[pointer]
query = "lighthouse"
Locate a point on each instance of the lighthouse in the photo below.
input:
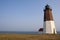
(48, 25)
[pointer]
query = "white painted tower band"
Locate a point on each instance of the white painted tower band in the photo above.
(49, 27)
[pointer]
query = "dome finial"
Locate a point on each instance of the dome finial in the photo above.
(47, 6)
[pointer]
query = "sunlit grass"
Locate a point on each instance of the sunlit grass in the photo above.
(29, 36)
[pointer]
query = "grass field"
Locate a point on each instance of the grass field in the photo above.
(29, 37)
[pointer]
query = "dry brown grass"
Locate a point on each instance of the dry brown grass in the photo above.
(29, 36)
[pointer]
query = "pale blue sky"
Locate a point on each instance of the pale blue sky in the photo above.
(26, 15)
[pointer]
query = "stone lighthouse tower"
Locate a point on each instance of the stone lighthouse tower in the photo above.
(49, 26)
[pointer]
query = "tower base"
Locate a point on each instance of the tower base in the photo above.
(49, 27)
